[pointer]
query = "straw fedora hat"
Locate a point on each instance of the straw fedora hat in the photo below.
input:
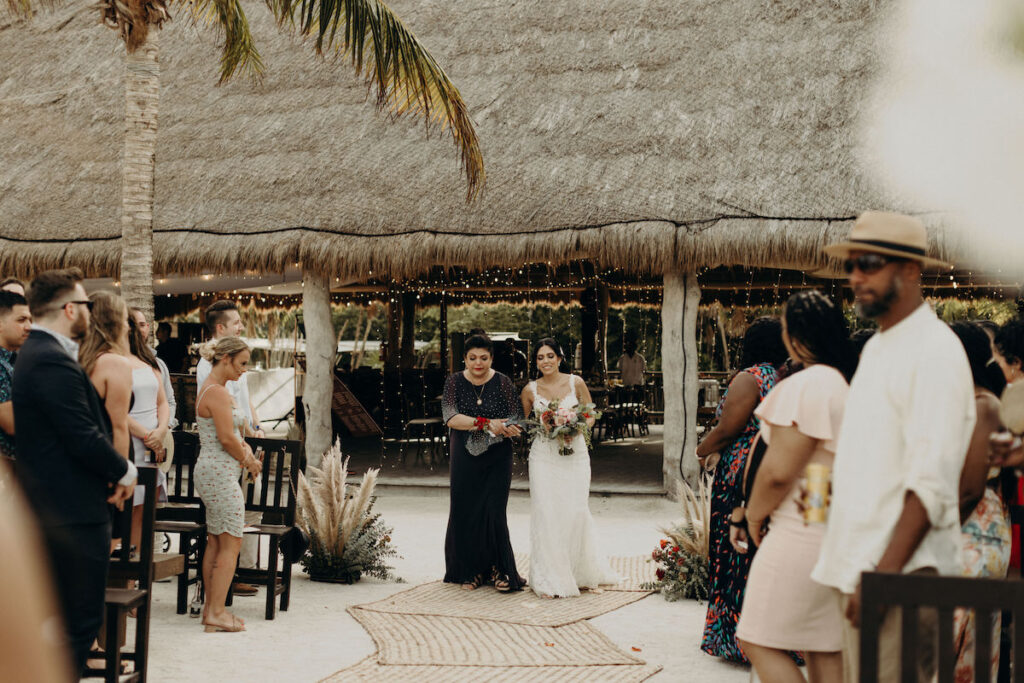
(886, 233)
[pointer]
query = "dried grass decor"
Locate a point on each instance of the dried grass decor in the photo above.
(346, 538)
(684, 554)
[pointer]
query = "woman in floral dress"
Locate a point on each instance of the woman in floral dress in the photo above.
(763, 355)
(985, 524)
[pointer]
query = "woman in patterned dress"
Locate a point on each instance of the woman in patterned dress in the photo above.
(223, 454)
(763, 355)
(985, 524)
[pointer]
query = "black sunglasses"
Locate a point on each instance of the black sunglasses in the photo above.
(868, 263)
(88, 304)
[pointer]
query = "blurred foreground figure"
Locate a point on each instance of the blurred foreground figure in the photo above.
(30, 630)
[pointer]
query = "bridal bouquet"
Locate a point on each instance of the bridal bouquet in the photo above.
(561, 424)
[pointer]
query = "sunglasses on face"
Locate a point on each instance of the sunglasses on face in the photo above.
(867, 263)
(87, 304)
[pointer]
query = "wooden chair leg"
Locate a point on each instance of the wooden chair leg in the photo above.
(272, 577)
(184, 546)
(287, 580)
(142, 638)
(112, 643)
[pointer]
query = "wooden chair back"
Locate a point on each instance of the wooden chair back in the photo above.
(275, 494)
(945, 594)
(139, 567)
(183, 503)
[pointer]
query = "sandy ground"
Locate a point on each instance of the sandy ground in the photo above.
(316, 637)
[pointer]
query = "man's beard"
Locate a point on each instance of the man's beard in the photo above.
(79, 326)
(881, 305)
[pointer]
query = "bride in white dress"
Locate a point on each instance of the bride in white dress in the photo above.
(564, 553)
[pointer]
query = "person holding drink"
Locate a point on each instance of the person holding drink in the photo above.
(784, 610)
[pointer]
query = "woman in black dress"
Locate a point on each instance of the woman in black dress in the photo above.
(478, 402)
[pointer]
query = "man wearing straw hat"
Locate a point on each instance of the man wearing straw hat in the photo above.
(908, 421)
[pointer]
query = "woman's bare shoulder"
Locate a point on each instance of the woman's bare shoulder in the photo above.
(113, 362)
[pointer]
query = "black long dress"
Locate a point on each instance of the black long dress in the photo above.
(477, 541)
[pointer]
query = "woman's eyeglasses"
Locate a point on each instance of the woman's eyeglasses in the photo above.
(867, 263)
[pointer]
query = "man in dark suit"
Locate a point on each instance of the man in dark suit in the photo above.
(66, 460)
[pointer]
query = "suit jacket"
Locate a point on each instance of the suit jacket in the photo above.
(66, 459)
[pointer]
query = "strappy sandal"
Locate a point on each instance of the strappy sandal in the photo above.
(501, 582)
(235, 627)
(473, 583)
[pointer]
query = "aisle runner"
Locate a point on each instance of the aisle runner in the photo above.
(440, 632)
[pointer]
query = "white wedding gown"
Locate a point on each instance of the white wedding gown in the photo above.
(564, 553)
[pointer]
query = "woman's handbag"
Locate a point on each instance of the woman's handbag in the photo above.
(168, 443)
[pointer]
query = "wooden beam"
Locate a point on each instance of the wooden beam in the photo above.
(673, 302)
(320, 351)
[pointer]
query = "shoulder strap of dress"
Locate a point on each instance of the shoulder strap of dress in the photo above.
(200, 399)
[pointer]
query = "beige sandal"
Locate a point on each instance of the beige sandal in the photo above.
(235, 626)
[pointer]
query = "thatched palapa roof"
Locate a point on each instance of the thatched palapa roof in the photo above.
(638, 134)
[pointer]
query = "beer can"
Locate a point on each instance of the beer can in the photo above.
(816, 502)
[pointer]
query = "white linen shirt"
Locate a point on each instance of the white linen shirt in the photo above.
(908, 422)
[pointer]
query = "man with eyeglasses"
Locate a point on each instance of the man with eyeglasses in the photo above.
(66, 460)
(908, 421)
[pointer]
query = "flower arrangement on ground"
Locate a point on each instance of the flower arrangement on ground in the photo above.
(346, 538)
(683, 557)
(561, 424)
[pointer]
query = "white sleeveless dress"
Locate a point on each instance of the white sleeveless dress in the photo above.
(564, 552)
(145, 392)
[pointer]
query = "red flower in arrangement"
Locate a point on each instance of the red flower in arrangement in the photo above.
(660, 573)
(654, 554)
(679, 561)
(664, 543)
(675, 549)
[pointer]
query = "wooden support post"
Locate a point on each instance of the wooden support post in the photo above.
(588, 332)
(407, 353)
(394, 331)
(679, 370)
(321, 349)
(443, 324)
(604, 300)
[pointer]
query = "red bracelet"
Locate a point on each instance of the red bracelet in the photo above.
(481, 423)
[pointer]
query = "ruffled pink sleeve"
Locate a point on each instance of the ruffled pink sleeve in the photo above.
(812, 400)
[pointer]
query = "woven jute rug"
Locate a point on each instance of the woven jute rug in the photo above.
(370, 671)
(457, 641)
(521, 607)
(440, 632)
(633, 570)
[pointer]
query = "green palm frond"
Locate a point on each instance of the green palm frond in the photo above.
(404, 75)
(239, 51)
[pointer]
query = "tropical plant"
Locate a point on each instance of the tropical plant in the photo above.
(346, 538)
(685, 555)
(396, 66)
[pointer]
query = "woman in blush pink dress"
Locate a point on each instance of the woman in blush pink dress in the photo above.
(784, 610)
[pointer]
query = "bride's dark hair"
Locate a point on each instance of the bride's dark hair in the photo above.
(552, 344)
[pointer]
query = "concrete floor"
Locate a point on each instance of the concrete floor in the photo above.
(316, 637)
(631, 465)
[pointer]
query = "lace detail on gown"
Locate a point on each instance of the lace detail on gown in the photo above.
(564, 552)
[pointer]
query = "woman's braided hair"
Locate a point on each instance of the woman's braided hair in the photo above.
(816, 323)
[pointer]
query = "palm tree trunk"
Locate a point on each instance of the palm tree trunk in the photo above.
(142, 101)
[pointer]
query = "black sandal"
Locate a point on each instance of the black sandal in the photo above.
(473, 583)
(501, 582)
